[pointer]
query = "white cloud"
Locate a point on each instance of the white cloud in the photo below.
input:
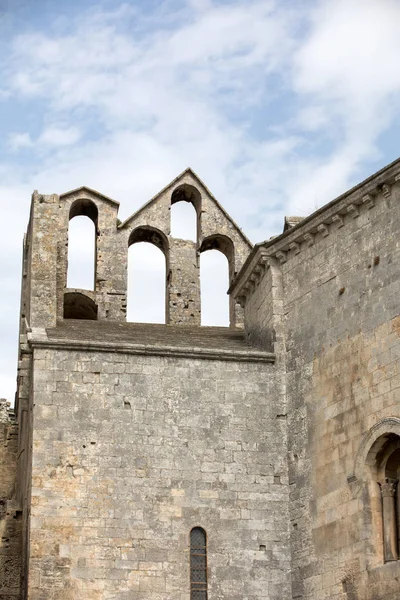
(345, 74)
(16, 141)
(50, 137)
(59, 136)
(276, 107)
(163, 100)
(352, 52)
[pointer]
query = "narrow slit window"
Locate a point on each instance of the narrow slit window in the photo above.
(198, 564)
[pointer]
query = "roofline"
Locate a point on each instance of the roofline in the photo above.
(190, 171)
(153, 198)
(378, 178)
(39, 339)
(91, 191)
(221, 207)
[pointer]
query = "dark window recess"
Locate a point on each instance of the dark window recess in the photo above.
(198, 564)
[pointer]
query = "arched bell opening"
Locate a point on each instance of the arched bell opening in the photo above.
(185, 212)
(82, 245)
(84, 208)
(217, 265)
(225, 245)
(147, 273)
(151, 235)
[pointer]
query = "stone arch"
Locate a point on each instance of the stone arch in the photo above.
(383, 460)
(83, 207)
(155, 237)
(185, 194)
(149, 234)
(372, 443)
(376, 473)
(225, 245)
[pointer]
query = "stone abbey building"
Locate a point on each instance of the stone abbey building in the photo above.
(177, 462)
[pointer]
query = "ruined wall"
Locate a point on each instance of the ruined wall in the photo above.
(45, 292)
(215, 230)
(10, 515)
(131, 452)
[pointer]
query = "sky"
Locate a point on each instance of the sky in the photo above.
(279, 106)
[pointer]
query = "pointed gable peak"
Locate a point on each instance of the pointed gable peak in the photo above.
(89, 193)
(187, 177)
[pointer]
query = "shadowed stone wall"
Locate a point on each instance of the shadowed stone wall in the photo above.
(10, 516)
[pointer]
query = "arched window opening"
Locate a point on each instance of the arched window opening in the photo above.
(198, 564)
(388, 468)
(185, 210)
(82, 238)
(147, 276)
(214, 283)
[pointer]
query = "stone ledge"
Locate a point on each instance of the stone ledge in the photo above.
(153, 350)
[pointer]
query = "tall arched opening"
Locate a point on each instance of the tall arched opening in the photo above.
(147, 264)
(216, 270)
(185, 211)
(82, 236)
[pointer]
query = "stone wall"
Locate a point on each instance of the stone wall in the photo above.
(45, 292)
(275, 461)
(10, 516)
(340, 289)
(341, 305)
(340, 322)
(131, 452)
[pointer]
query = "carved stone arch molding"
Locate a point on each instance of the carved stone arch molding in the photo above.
(374, 479)
(381, 429)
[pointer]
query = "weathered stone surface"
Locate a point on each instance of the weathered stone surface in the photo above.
(46, 249)
(340, 329)
(276, 439)
(10, 517)
(130, 453)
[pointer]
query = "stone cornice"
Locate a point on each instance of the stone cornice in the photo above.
(39, 339)
(252, 276)
(319, 224)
